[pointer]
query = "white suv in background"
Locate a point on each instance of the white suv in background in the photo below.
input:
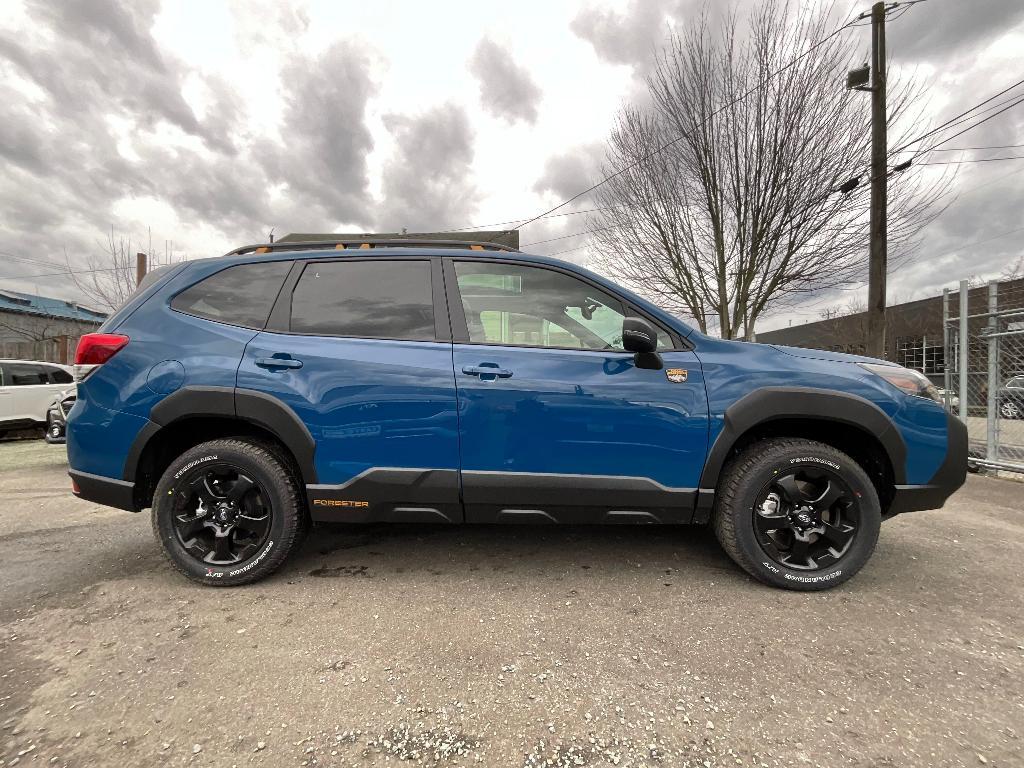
(27, 389)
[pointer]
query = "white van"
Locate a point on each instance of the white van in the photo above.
(27, 389)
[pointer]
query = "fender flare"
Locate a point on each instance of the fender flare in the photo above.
(775, 403)
(257, 408)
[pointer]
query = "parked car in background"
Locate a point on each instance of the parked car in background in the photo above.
(1011, 399)
(27, 389)
(57, 416)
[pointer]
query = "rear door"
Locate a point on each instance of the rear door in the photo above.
(29, 391)
(360, 350)
(557, 421)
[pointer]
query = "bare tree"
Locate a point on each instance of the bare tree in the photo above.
(108, 279)
(729, 205)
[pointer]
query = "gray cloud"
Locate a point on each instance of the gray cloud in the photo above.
(634, 35)
(506, 89)
(571, 172)
(947, 29)
(94, 64)
(425, 181)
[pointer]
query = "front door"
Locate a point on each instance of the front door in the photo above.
(359, 353)
(556, 421)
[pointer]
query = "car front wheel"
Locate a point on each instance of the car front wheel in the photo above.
(228, 512)
(1009, 410)
(797, 514)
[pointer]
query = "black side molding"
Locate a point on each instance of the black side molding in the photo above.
(774, 403)
(389, 494)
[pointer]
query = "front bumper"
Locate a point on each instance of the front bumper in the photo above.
(104, 490)
(947, 479)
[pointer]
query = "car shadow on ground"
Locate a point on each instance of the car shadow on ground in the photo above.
(334, 550)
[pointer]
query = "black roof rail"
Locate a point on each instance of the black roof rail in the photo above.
(367, 242)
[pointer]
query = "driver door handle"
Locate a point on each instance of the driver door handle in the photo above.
(486, 370)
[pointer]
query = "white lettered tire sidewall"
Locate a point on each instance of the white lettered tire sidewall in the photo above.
(744, 479)
(275, 479)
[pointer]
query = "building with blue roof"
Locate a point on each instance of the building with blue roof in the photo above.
(43, 328)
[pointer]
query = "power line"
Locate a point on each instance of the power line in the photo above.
(975, 125)
(963, 114)
(975, 149)
(975, 160)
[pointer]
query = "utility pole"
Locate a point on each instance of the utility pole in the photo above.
(140, 267)
(878, 257)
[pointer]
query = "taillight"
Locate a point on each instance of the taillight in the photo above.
(95, 349)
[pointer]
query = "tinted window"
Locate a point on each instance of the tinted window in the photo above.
(371, 299)
(60, 376)
(24, 374)
(241, 295)
(535, 307)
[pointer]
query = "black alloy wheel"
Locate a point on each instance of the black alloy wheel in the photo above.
(221, 515)
(796, 513)
(806, 519)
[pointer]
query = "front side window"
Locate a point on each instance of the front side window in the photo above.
(535, 307)
(240, 295)
(366, 299)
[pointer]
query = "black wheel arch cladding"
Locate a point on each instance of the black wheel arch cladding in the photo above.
(246, 405)
(775, 403)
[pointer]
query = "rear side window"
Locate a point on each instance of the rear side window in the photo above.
(240, 295)
(60, 376)
(367, 299)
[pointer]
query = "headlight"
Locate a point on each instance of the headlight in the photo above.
(906, 379)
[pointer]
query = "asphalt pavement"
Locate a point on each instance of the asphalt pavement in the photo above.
(507, 646)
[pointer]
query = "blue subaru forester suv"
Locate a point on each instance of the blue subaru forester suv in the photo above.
(244, 397)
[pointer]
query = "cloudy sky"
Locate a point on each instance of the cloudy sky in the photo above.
(205, 123)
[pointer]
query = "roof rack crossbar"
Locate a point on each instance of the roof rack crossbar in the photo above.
(368, 242)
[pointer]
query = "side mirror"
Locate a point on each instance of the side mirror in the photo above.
(640, 337)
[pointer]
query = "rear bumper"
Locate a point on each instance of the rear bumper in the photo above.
(104, 490)
(949, 477)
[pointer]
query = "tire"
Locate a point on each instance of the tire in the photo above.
(751, 487)
(1008, 409)
(193, 506)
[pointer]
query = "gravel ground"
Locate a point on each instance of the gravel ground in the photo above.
(504, 646)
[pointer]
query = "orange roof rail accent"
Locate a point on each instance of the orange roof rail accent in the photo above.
(339, 247)
(264, 249)
(365, 245)
(476, 247)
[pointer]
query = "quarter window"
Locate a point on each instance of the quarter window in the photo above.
(366, 299)
(535, 307)
(240, 295)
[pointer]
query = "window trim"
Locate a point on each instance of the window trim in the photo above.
(281, 313)
(460, 329)
(176, 294)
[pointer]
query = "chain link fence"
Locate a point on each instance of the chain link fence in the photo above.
(983, 380)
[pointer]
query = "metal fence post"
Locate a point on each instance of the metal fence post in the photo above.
(965, 344)
(947, 363)
(992, 409)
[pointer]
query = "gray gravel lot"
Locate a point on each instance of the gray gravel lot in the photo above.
(504, 646)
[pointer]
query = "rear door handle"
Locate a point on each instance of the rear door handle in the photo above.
(486, 370)
(278, 362)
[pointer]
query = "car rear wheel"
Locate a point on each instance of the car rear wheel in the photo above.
(228, 512)
(797, 514)
(1010, 410)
